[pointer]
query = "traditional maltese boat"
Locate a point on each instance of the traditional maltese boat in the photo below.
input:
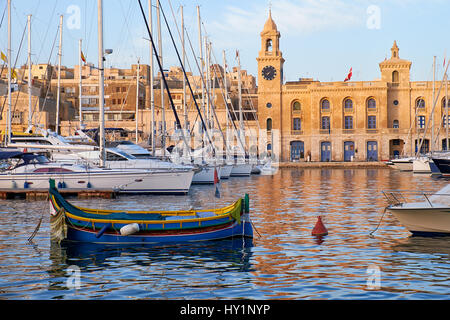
(72, 223)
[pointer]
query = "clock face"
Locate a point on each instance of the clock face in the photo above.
(269, 72)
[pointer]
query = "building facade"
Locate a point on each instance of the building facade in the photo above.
(347, 121)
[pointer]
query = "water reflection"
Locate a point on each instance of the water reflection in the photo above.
(284, 262)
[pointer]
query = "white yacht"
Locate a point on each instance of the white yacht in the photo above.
(21, 170)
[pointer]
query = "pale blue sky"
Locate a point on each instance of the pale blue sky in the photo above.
(320, 39)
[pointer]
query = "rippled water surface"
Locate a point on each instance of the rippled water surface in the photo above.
(283, 261)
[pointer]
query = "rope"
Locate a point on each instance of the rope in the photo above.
(255, 228)
(371, 233)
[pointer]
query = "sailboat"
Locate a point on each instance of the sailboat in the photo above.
(33, 172)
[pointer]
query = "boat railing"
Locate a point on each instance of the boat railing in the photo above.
(399, 197)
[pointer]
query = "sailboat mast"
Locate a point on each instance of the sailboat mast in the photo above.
(432, 113)
(161, 82)
(58, 94)
(30, 110)
(186, 117)
(101, 87)
(8, 120)
(137, 100)
(226, 96)
(241, 117)
(201, 60)
(446, 112)
(80, 84)
(208, 84)
(152, 91)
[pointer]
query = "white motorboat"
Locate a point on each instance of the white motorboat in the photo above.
(206, 175)
(268, 170)
(241, 170)
(31, 171)
(225, 171)
(421, 165)
(429, 217)
(403, 164)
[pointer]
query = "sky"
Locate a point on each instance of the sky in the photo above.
(320, 39)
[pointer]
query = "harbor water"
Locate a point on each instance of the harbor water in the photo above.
(282, 261)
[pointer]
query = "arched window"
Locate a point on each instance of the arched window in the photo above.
(269, 124)
(348, 104)
(296, 106)
(269, 45)
(395, 77)
(371, 103)
(325, 105)
(443, 102)
(420, 103)
(395, 124)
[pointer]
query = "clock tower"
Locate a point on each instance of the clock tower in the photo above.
(270, 81)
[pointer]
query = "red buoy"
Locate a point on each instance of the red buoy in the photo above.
(319, 228)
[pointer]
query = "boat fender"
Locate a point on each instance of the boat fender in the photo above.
(59, 185)
(26, 185)
(129, 229)
(89, 185)
(102, 230)
(63, 185)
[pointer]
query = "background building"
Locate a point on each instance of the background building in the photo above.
(346, 121)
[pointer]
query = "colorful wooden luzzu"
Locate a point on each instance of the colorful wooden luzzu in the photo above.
(111, 226)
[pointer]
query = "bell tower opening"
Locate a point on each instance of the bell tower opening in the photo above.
(269, 45)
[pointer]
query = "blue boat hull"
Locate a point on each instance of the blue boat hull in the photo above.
(234, 229)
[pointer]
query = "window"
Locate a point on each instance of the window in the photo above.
(348, 104)
(297, 124)
(325, 123)
(371, 122)
(444, 122)
(420, 103)
(296, 106)
(348, 122)
(325, 105)
(269, 105)
(269, 124)
(395, 124)
(395, 102)
(421, 122)
(395, 77)
(371, 104)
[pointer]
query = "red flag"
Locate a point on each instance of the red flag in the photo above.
(349, 76)
(216, 176)
(82, 57)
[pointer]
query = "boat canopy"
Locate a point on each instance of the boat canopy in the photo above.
(10, 154)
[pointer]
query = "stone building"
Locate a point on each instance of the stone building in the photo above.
(346, 121)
